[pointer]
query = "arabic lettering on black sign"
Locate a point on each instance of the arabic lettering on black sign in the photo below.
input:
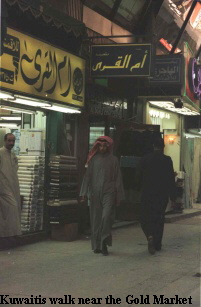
(11, 45)
(6, 76)
(167, 69)
(167, 72)
(121, 60)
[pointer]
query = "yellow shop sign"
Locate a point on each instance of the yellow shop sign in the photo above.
(30, 66)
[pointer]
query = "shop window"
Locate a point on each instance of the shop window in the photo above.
(26, 121)
(67, 140)
(95, 132)
(97, 128)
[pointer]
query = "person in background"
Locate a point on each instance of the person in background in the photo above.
(157, 180)
(10, 203)
(102, 184)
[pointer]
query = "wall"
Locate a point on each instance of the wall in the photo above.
(173, 150)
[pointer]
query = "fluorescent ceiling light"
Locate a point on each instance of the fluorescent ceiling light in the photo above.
(17, 110)
(169, 105)
(9, 125)
(97, 128)
(4, 95)
(10, 117)
(33, 103)
(63, 109)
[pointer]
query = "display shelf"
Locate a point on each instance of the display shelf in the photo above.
(31, 180)
(63, 189)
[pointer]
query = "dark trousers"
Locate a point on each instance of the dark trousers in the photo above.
(152, 217)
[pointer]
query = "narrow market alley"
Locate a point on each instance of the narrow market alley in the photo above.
(69, 273)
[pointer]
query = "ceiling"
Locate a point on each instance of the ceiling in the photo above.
(126, 13)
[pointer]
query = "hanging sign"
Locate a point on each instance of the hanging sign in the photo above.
(167, 69)
(121, 60)
(30, 66)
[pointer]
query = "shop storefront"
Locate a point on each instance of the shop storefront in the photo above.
(41, 91)
(177, 77)
(170, 127)
(106, 110)
(191, 165)
(191, 141)
(178, 147)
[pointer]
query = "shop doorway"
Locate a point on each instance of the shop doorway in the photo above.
(30, 133)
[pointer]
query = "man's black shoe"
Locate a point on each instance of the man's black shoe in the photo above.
(97, 251)
(158, 248)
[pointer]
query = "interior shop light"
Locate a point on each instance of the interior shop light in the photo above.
(10, 118)
(30, 102)
(63, 109)
(125, 105)
(169, 105)
(171, 139)
(4, 95)
(17, 110)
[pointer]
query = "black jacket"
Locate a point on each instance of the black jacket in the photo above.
(156, 176)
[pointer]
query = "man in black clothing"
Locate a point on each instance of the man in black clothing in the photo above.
(156, 177)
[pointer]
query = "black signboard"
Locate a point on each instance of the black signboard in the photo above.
(121, 60)
(167, 69)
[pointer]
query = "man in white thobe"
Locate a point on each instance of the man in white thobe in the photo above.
(103, 185)
(10, 204)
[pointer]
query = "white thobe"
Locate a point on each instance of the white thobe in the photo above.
(103, 185)
(10, 204)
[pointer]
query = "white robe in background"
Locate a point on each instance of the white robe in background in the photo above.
(10, 204)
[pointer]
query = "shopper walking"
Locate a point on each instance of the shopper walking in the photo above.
(156, 176)
(102, 184)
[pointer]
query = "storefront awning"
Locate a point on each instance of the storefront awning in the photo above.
(175, 105)
(50, 16)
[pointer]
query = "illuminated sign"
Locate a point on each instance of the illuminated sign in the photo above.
(181, 9)
(195, 19)
(192, 86)
(159, 114)
(119, 60)
(33, 67)
(195, 78)
(168, 46)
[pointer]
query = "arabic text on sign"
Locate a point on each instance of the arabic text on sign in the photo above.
(123, 62)
(46, 72)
